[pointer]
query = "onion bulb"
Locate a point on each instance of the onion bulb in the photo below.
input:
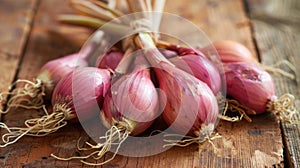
(253, 87)
(133, 100)
(201, 68)
(230, 51)
(109, 60)
(33, 93)
(83, 89)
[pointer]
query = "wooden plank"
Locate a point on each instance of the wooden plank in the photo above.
(48, 40)
(243, 144)
(276, 30)
(15, 18)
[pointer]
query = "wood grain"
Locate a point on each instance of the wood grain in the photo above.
(16, 19)
(243, 144)
(278, 40)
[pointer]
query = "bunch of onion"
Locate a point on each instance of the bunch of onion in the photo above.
(253, 87)
(129, 108)
(197, 96)
(89, 83)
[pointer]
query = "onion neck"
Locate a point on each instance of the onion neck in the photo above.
(125, 62)
(152, 54)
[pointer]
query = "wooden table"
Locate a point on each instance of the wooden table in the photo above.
(30, 36)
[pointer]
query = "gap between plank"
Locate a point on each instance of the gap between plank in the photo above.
(247, 12)
(23, 51)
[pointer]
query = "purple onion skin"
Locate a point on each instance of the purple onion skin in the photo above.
(110, 60)
(133, 98)
(54, 70)
(250, 85)
(89, 85)
(168, 53)
(201, 68)
(190, 103)
(181, 51)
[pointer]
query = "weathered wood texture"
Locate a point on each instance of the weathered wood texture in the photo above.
(15, 19)
(277, 33)
(256, 144)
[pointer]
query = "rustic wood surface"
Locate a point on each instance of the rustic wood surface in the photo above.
(280, 40)
(30, 37)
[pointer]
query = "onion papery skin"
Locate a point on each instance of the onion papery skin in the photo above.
(83, 91)
(110, 60)
(189, 101)
(230, 51)
(168, 53)
(201, 68)
(249, 85)
(133, 99)
(54, 70)
(181, 51)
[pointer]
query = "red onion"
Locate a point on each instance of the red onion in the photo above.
(32, 95)
(253, 87)
(54, 70)
(109, 60)
(191, 105)
(230, 51)
(133, 100)
(201, 68)
(83, 89)
(168, 53)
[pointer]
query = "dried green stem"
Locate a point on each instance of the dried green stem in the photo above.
(115, 12)
(112, 28)
(90, 9)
